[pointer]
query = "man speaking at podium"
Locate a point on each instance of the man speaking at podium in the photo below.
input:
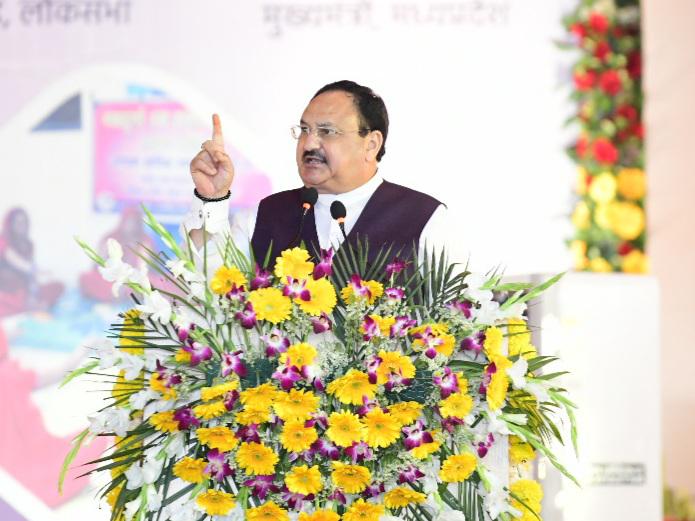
(341, 139)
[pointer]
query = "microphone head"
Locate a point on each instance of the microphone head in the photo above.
(338, 210)
(309, 196)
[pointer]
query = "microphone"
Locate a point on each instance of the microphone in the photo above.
(308, 196)
(338, 212)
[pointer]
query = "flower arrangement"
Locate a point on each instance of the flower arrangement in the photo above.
(608, 217)
(266, 394)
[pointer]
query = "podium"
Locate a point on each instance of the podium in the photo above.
(605, 329)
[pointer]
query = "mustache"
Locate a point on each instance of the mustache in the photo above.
(313, 154)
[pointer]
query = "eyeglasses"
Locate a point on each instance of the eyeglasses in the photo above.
(323, 133)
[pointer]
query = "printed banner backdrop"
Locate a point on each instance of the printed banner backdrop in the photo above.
(103, 104)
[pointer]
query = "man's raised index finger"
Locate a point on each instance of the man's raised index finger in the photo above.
(217, 130)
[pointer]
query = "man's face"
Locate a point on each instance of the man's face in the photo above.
(338, 163)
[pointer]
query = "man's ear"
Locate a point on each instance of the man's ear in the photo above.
(374, 141)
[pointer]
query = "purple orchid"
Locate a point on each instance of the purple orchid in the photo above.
(416, 435)
(247, 317)
(287, 376)
(339, 496)
(462, 306)
(184, 332)
(168, 377)
(448, 383)
(249, 433)
(293, 500)
(395, 267)
(296, 288)
(487, 377)
(262, 486)
(275, 343)
(373, 491)
(367, 406)
(326, 448)
(325, 267)
(231, 362)
(474, 342)
(217, 468)
(186, 418)
(318, 385)
(373, 364)
(449, 424)
(394, 295)
(199, 352)
(430, 341)
(322, 323)
(230, 398)
(358, 451)
(410, 475)
(484, 446)
(317, 418)
(236, 294)
(359, 289)
(262, 279)
(370, 328)
(396, 379)
(400, 327)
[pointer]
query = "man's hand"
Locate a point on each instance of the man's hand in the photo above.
(212, 169)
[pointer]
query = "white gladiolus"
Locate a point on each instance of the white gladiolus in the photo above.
(158, 307)
(115, 270)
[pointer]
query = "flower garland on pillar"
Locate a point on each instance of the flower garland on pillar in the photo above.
(609, 216)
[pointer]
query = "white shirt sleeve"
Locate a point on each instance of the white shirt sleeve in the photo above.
(440, 233)
(214, 218)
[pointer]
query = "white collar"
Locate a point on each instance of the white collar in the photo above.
(359, 194)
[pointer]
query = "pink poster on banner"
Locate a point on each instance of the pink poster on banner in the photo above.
(142, 152)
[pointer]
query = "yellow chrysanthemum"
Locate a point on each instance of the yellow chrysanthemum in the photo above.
(216, 502)
(221, 438)
(632, 183)
(260, 397)
(296, 405)
(582, 176)
(122, 388)
(182, 356)
(493, 341)
(499, 382)
(345, 428)
(424, 450)
(296, 437)
(581, 217)
(190, 469)
(437, 328)
(352, 479)
(394, 363)
(208, 411)
(112, 496)
(133, 329)
(267, 512)
(293, 263)
(457, 405)
(304, 480)
(520, 452)
(360, 510)
(382, 428)
(600, 265)
(323, 297)
(400, 497)
(210, 393)
(164, 421)
(376, 289)
(156, 383)
(602, 215)
(351, 388)
(531, 493)
(225, 278)
(256, 458)
(299, 355)
(319, 515)
(519, 338)
(635, 262)
(405, 413)
(271, 305)
(458, 467)
(251, 415)
(578, 249)
(603, 188)
(627, 220)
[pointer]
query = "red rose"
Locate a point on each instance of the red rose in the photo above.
(628, 112)
(578, 30)
(581, 147)
(638, 131)
(610, 82)
(598, 23)
(604, 151)
(584, 81)
(634, 64)
(602, 49)
(624, 248)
